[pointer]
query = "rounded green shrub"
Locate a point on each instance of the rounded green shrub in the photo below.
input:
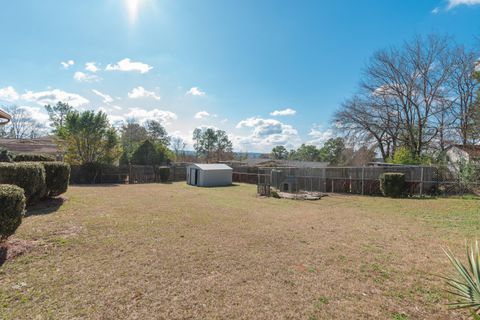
(57, 176)
(30, 176)
(392, 184)
(5, 155)
(12, 208)
(33, 157)
(164, 174)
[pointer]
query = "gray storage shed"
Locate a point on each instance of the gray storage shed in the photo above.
(209, 175)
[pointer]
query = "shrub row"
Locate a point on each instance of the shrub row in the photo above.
(38, 179)
(30, 176)
(8, 156)
(32, 157)
(12, 204)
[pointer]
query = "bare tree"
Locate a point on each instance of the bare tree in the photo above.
(412, 96)
(22, 125)
(463, 87)
(178, 146)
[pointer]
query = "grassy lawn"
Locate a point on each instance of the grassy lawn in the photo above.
(180, 252)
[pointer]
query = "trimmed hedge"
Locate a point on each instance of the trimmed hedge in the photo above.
(392, 184)
(57, 176)
(12, 204)
(27, 175)
(5, 155)
(164, 173)
(33, 157)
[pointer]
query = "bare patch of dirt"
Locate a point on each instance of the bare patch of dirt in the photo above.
(15, 247)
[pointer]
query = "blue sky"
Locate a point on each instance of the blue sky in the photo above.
(221, 63)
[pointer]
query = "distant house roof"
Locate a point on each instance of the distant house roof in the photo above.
(212, 166)
(38, 145)
(284, 163)
(473, 151)
(5, 117)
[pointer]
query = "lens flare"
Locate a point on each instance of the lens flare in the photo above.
(133, 8)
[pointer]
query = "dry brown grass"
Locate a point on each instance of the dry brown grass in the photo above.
(180, 252)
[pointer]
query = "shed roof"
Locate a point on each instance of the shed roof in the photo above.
(212, 166)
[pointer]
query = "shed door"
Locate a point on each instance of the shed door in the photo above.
(193, 176)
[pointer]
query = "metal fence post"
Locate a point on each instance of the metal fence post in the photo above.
(363, 182)
(421, 182)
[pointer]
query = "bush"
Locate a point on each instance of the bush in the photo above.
(5, 155)
(164, 173)
(392, 184)
(27, 175)
(57, 176)
(33, 157)
(12, 204)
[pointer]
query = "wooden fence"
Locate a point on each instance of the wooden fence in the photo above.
(124, 174)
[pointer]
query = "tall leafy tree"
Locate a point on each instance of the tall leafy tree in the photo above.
(88, 138)
(157, 133)
(307, 153)
(212, 144)
(149, 153)
(279, 153)
(332, 151)
(132, 135)
(57, 114)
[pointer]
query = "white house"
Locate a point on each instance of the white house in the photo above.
(457, 153)
(209, 175)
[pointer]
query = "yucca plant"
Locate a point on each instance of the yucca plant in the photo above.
(465, 286)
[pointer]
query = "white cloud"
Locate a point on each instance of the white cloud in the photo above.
(106, 98)
(116, 120)
(455, 3)
(195, 91)
(85, 77)
(67, 64)
(53, 96)
(319, 135)
(140, 92)
(436, 10)
(142, 115)
(9, 94)
(284, 112)
(265, 134)
(37, 113)
(128, 65)
(201, 115)
(91, 66)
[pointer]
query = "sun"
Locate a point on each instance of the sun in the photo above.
(133, 8)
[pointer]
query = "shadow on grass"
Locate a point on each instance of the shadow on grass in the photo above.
(45, 206)
(3, 254)
(96, 185)
(214, 187)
